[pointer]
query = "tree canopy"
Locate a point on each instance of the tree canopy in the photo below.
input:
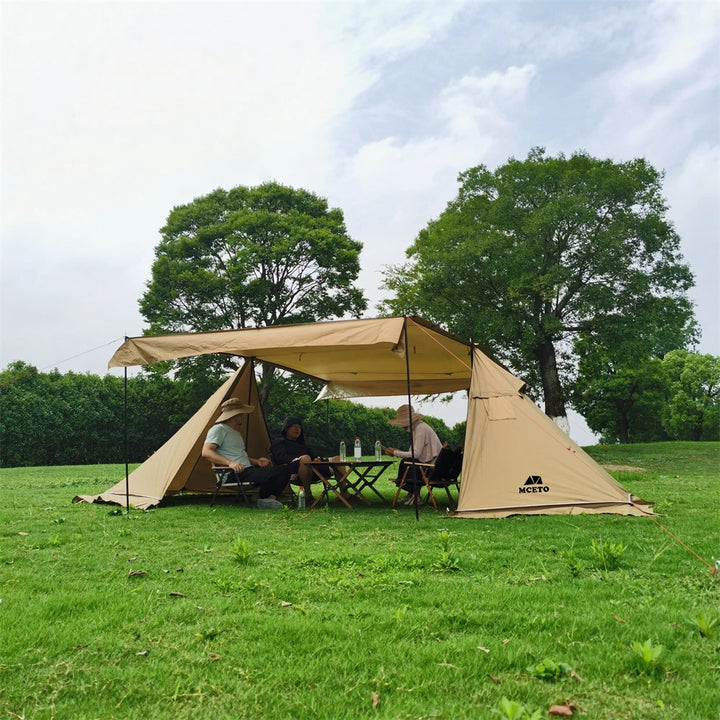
(693, 408)
(251, 257)
(528, 258)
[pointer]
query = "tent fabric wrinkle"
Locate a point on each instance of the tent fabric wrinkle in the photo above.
(516, 460)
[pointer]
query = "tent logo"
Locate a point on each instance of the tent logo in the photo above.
(533, 484)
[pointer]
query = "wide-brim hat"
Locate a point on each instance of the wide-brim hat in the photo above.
(403, 416)
(231, 408)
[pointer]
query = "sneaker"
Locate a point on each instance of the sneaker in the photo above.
(269, 504)
(409, 500)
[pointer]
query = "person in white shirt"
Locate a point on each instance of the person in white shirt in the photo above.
(426, 444)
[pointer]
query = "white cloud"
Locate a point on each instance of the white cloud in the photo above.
(480, 105)
(655, 100)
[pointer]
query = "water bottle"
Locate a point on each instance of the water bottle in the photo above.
(343, 452)
(301, 499)
(378, 450)
(358, 450)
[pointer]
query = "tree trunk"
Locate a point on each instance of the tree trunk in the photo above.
(266, 375)
(622, 426)
(697, 429)
(552, 389)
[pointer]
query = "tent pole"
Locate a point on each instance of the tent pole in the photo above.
(125, 423)
(412, 441)
(327, 427)
(253, 379)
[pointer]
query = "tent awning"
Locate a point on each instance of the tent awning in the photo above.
(360, 357)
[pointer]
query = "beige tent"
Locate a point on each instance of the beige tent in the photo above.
(178, 466)
(516, 459)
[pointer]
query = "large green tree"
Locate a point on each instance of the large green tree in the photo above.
(623, 402)
(693, 408)
(528, 256)
(252, 257)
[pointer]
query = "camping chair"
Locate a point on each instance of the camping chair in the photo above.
(445, 473)
(226, 479)
(423, 470)
(246, 490)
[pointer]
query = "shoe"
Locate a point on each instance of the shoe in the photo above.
(409, 500)
(269, 504)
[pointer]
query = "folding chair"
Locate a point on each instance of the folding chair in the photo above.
(445, 474)
(245, 490)
(422, 469)
(226, 478)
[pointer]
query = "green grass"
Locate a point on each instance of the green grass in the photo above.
(189, 611)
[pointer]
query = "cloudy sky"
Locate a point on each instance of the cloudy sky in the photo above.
(114, 112)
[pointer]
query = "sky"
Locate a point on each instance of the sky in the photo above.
(113, 113)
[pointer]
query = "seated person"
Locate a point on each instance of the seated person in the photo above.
(224, 445)
(427, 447)
(291, 450)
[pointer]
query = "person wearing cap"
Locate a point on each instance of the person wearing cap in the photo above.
(426, 444)
(290, 449)
(224, 445)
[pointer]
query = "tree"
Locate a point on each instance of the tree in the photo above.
(693, 408)
(529, 256)
(56, 419)
(251, 257)
(622, 402)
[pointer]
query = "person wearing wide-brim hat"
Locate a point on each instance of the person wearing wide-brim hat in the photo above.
(224, 445)
(425, 442)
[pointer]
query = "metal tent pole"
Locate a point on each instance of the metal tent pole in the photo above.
(127, 462)
(412, 440)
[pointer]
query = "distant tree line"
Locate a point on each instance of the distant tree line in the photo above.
(79, 419)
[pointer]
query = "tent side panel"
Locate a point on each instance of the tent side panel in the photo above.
(517, 460)
(168, 468)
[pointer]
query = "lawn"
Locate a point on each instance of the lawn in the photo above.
(189, 611)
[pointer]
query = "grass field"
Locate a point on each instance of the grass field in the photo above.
(189, 611)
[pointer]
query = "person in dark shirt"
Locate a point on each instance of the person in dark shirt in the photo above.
(291, 450)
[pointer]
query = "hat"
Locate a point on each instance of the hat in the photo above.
(233, 407)
(403, 416)
(288, 422)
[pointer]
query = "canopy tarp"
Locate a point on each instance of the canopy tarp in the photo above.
(353, 357)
